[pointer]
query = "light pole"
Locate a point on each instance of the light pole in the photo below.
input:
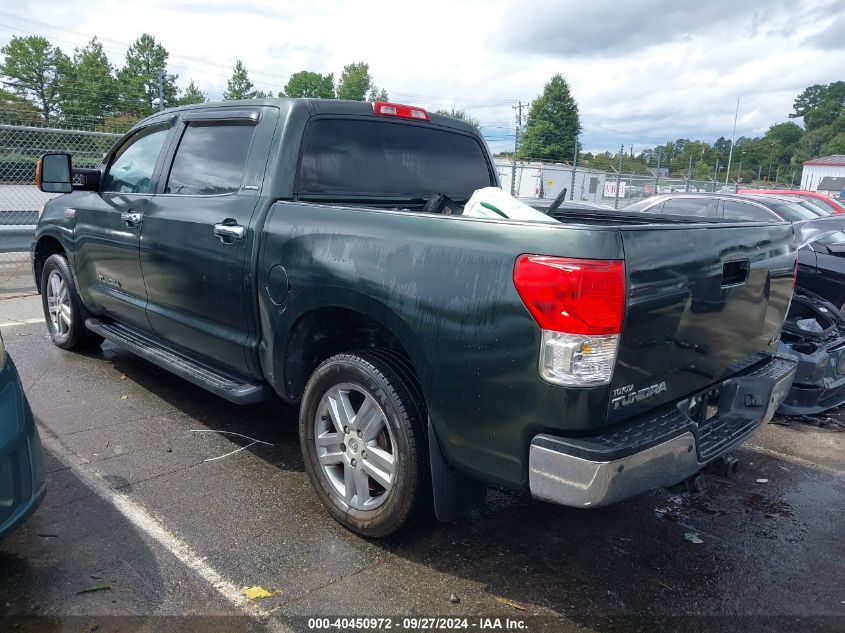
(733, 136)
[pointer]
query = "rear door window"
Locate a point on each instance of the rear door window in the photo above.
(210, 159)
(702, 207)
(363, 158)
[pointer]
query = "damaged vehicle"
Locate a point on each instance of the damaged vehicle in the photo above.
(814, 333)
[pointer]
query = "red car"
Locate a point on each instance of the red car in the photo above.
(835, 206)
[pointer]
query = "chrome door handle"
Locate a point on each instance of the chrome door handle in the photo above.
(229, 232)
(131, 218)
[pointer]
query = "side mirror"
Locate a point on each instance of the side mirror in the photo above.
(54, 173)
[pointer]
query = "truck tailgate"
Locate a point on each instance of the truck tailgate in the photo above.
(704, 302)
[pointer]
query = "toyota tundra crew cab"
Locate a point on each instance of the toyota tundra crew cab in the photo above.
(302, 249)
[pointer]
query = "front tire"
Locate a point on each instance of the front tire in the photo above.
(362, 434)
(63, 309)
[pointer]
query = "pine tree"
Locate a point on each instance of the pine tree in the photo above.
(138, 80)
(553, 124)
(88, 90)
(32, 68)
(239, 86)
(192, 95)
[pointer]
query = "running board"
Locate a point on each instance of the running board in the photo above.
(226, 386)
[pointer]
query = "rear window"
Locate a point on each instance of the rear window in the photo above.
(822, 204)
(384, 159)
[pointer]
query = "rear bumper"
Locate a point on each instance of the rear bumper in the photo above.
(656, 450)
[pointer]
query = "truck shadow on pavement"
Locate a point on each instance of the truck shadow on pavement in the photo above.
(658, 555)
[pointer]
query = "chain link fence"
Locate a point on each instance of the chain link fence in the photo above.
(531, 179)
(20, 200)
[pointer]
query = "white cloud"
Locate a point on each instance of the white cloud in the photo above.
(661, 71)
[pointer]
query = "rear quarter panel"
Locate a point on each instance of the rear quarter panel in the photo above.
(443, 286)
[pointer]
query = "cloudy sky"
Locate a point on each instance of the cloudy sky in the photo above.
(642, 73)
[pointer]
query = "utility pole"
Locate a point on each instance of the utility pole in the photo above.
(733, 136)
(716, 174)
(689, 174)
(777, 175)
(738, 176)
(574, 164)
(161, 91)
(618, 177)
(792, 182)
(759, 172)
(516, 135)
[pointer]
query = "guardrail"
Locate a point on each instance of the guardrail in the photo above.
(16, 238)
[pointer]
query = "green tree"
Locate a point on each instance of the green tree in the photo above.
(811, 144)
(461, 115)
(239, 85)
(146, 61)
(355, 82)
(835, 145)
(32, 68)
(820, 105)
(192, 95)
(553, 126)
(378, 94)
(16, 110)
(88, 90)
(119, 122)
(309, 84)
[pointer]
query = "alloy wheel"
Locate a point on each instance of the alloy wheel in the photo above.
(355, 446)
(58, 303)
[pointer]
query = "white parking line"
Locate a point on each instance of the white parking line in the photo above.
(145, 522)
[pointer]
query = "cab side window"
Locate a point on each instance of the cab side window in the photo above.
(210, 159)
(132, 166)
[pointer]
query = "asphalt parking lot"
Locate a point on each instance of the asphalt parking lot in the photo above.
(151, 513)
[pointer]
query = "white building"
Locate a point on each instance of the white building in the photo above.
(547, 180)
(818, 168)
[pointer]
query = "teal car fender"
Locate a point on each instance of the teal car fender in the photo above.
(22, 471)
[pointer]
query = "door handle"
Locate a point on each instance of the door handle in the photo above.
(131, 218)
(229, 232)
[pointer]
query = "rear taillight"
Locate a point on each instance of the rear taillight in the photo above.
(579, 305)
(385, 108)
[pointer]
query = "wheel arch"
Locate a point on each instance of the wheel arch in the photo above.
(45, 246)
(324, 331)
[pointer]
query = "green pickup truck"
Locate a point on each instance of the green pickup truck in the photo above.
(289, 248)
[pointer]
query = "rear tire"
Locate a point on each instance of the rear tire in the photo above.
(63, 309)
(362, 430)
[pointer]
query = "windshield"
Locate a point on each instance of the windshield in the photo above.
(383, 159)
